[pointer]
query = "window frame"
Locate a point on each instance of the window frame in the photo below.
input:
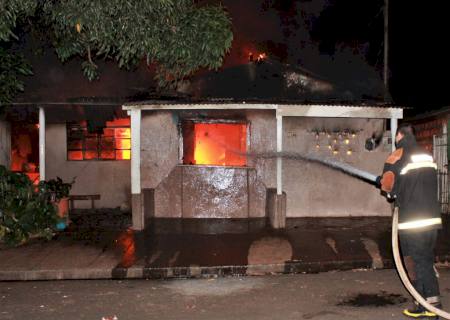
(98, 137)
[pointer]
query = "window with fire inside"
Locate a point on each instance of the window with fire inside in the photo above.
(113, 142)
(216, 143)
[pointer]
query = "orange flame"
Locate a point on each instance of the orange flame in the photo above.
(220, 144)
(128, 246)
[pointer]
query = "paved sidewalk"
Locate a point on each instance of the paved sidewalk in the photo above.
(356, 294)
(95, 247)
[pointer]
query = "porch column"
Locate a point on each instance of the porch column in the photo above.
(279, 159)
(394, 126)
(136, 204)
(276, 202)
(41, 144)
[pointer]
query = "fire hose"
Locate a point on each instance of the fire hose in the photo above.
(368, 177)
(403, 275)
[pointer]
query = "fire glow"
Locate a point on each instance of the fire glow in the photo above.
(223, 144)
(114, 143)
(25, 150)
(259, 57)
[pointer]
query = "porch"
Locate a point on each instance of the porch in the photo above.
(159, 175)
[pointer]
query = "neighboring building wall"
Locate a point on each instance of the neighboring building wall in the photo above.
(5, 144)
(312, 190)
(427, 128)
(110, 179)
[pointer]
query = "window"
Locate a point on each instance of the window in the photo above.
(113, 143)
(214, 143)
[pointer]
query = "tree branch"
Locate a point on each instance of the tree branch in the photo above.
(90, 57)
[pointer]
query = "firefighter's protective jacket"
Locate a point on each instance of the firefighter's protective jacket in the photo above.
(410, 177)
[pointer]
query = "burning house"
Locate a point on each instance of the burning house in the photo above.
(209, 160)
(204, 152)
(208, 157)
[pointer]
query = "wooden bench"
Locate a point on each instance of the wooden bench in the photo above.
(91, 197)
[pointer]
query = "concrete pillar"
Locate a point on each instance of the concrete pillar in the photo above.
(276, 209)
(279, 159)
(276, 201)
(136, 199)
(41, 144)
(394, 126)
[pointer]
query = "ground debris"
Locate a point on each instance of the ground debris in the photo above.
(114, 317)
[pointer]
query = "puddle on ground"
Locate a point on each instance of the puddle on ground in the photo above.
(373, 300)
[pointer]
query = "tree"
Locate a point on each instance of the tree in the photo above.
(13, 12)
(178, 35)
(12, 65)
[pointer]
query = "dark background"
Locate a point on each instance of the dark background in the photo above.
(341, 39)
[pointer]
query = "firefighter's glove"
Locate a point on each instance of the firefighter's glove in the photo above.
(378, 182)
(391, 196)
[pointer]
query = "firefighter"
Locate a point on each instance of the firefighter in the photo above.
(409, 179)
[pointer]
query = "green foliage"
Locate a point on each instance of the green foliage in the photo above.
(55, 188)
(178, 36)
(11, 67)
(24, 209)
(13, 12)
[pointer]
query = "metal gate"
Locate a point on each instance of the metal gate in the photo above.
(441, 158)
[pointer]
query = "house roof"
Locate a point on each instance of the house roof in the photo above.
(271, 79)
(445, 111)
(284, 109)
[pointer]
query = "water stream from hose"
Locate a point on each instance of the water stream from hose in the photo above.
(326, 161)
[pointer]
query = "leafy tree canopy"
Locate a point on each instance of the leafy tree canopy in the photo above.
(13, 12)
(178, 36)
(12, 64)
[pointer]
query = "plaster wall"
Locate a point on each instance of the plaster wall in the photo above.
(5, 143)
(159, 146)
(312, 190)
(315, 190)
(110, 179)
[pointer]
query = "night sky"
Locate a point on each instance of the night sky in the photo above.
(419, 59)
(341, 39)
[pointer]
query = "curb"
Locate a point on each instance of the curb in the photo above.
(191, 272)
(198, 272)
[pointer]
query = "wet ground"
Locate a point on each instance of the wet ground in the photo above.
(100, 244)
(237, 243)
(357, 294)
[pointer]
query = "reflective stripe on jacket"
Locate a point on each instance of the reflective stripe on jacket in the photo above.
(422, 223)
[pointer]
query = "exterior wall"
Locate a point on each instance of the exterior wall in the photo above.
(110, 179)
(5, 143)
(159, 147)
(315, 190)
(312, 190)
(210, 192)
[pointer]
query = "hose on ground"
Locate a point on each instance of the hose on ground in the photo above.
(404, 276)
